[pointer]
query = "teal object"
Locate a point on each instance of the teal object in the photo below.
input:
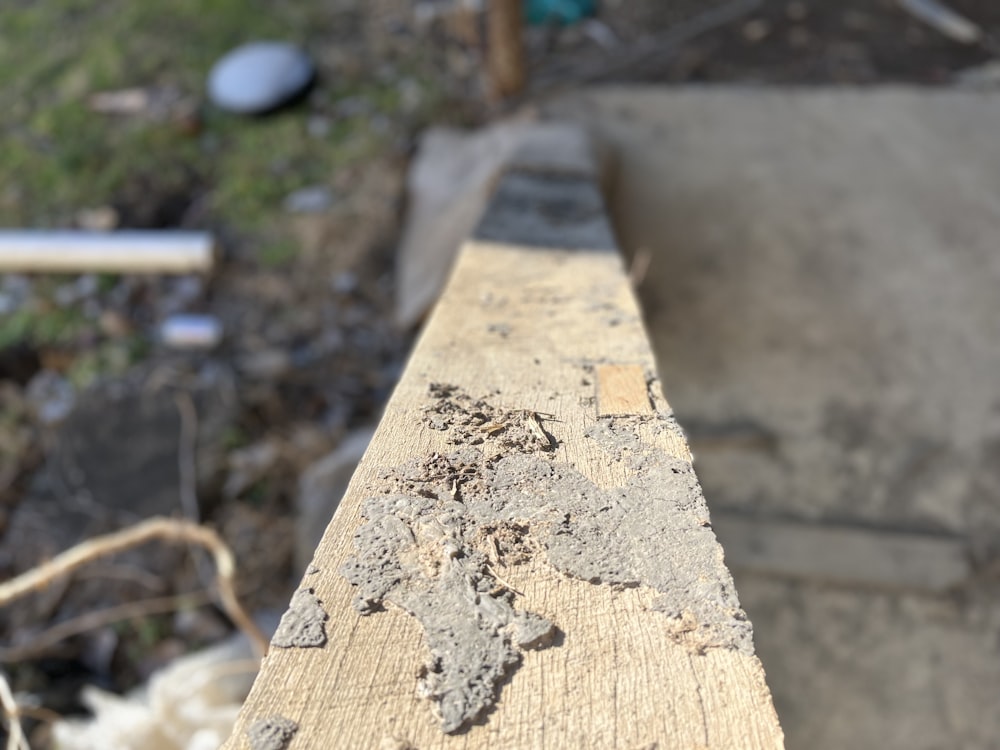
(564, 12)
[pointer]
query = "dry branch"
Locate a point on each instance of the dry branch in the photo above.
(15, 734)
(166, 529)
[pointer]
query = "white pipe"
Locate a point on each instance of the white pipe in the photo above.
(129, 251)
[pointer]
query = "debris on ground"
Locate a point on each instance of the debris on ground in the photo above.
(984, 76)
(250, 464)
(314, 199)
(51, 396)
(191, 704)
(321, 487)
(558, 11)
(155, 103)
(191, 332)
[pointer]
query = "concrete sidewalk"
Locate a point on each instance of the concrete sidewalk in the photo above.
(824, 297)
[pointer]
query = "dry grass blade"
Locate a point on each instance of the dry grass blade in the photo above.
(166, 529)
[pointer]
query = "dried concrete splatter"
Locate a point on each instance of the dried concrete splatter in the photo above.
(272, 733)
(303, 624)
(440, 524)
(474, 421)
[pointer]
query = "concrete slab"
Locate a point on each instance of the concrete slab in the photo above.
(823, 298)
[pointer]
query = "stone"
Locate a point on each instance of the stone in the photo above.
(259, 77)
(17, 292)
(314, 199)
(318, 126)
(267, 364)
(76, 291)
(51, 396)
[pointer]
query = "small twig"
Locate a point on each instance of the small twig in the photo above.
(665, 45)
(534, 423)
(506, 585)
(41, 643)
(15, 734)
(167, 529)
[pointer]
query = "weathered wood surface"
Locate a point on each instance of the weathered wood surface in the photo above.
(622, 390)
(528, 341)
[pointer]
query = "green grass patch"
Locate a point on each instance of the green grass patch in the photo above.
(57, 156)
(41, 328)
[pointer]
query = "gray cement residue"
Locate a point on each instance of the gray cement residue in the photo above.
(302, 625)
(272, 733)
(441, 525)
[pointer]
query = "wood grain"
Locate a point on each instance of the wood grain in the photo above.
(621, 390)
(525, 327)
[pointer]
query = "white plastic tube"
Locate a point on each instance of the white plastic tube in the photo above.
(129, 251)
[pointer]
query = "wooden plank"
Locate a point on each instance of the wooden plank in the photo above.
(844, 555)
(622, 390)
(508, 569)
